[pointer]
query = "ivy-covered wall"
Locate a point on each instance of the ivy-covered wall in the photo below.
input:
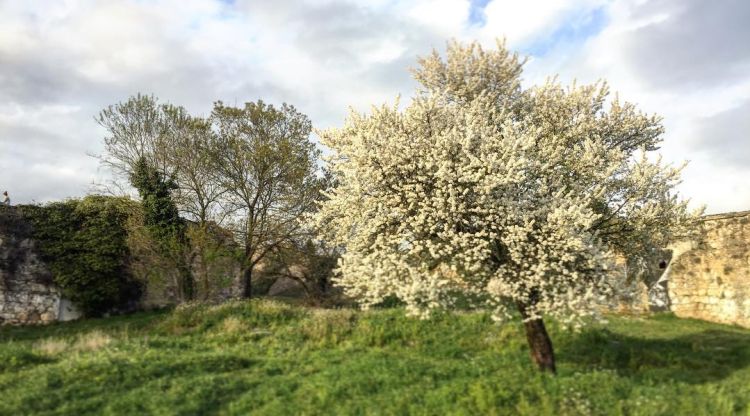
(84, 245)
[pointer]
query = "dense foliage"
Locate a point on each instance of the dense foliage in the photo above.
(83, 242)
(159, 211)
(267, 358)
(162, 220)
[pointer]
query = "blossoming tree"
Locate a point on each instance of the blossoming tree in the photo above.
(503, 196)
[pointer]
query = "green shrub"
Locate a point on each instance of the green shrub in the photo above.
(83, 242)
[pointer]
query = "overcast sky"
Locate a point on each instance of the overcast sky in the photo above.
(63, 61)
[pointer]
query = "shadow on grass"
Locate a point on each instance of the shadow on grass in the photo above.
(696, 358)
(14, 359)
(131, 322)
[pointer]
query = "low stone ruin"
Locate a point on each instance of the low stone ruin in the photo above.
(27, 293)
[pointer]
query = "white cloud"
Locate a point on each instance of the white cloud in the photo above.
(447, 18)
(649, 53)
(61, 62)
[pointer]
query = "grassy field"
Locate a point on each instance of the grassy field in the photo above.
(268, 357)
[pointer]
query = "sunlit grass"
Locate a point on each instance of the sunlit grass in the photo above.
(267, 357)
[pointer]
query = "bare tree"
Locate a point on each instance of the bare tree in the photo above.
(199, 191)
(140, 128)
(308, 262)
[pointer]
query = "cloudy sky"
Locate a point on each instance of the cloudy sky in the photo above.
(62, 61)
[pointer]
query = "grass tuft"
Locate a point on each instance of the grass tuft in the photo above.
(233, 325)
(92, 341)
(52, 346)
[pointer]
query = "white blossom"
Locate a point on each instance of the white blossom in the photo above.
(485, 191)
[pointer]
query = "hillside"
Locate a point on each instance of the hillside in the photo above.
(267, 357)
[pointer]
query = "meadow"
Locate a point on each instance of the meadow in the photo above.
(268, 357)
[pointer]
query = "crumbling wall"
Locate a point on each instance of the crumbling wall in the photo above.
(642, 287)
(710, 278)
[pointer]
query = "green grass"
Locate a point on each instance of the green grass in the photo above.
(268, 357)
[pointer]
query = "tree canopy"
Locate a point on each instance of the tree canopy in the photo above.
(265, 161)
(505, 196)
(251, 169)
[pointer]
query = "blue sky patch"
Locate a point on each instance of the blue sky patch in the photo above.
(576, 29)
(476, 12)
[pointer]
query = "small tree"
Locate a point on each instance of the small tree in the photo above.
(508, 197)
(176, 144)
(198, 193)
(266, 162)
(165, 153)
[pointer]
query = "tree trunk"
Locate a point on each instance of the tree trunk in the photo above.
(323, 284)
(206, 280)
(247, 287)
(247, 274)
(540, 345)
(188, 283)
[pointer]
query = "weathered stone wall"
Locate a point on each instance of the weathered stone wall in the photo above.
(707, 278)
(217, 273)
(710, 278)
(27, 293)
(642, 284)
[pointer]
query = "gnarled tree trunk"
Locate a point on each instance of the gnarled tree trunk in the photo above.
(540, 345)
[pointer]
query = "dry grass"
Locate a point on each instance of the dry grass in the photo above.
(233, 325)
(51, 346)
(92, 341)
(328, 325)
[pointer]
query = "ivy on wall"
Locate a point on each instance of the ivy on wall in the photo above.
(84, 244)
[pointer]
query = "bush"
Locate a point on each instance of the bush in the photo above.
(84, 243)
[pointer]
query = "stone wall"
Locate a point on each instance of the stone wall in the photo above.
(710, 278)
(27, 293)
(707, 278)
